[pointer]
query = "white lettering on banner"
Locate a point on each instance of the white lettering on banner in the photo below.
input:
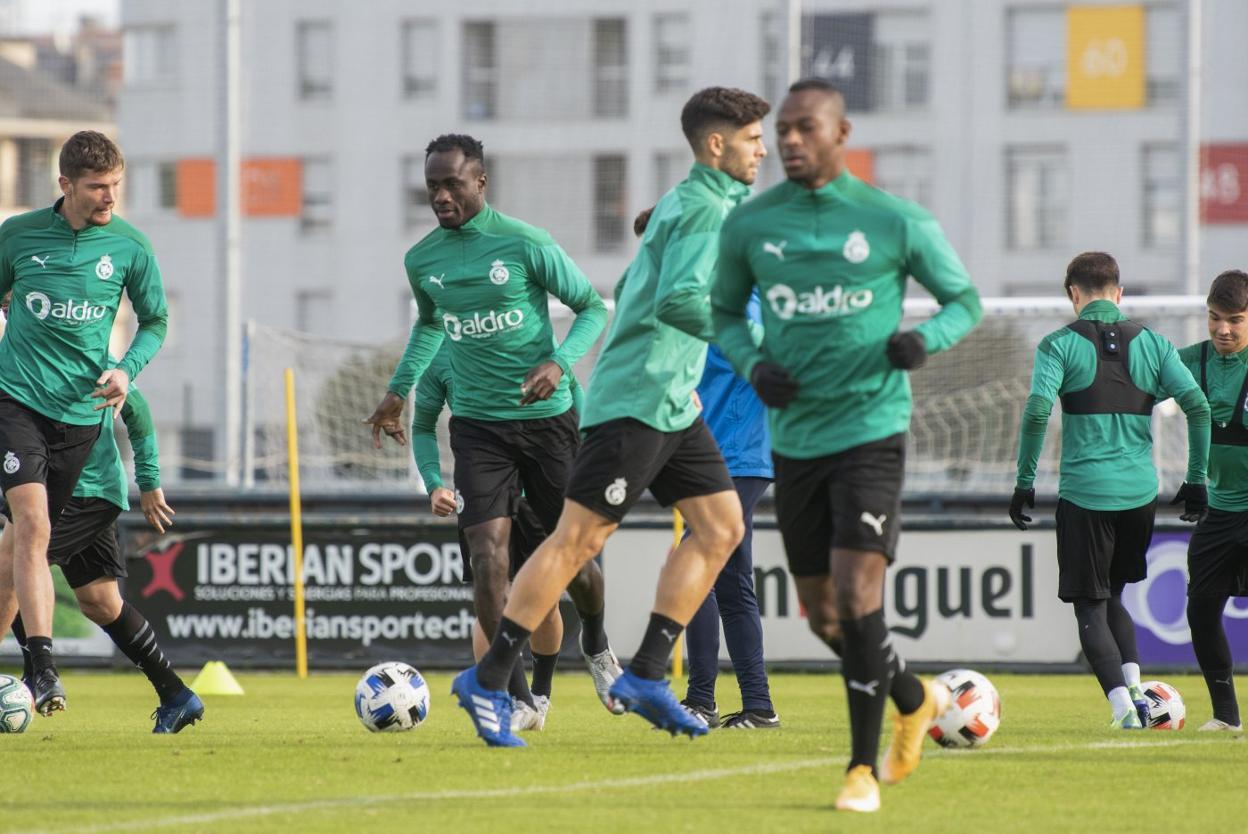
(251, 564)
(258, 624)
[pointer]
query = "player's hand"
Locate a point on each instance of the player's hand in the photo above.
(906, 349)
(442, 500)
(388, 417)
(697, 401)
(155, 510)
(112, 386)
(775, 387)
(1022, 497)
(540, 382)
(1195, 501)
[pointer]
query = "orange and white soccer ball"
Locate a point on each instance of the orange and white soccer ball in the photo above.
(974, 711)
(1166, 710)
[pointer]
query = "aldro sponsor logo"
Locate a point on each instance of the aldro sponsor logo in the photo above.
(787, 302)
(43, 307)
(482, 326)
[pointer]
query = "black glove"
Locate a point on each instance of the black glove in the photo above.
(907, 349)
(1195, 501)
(1022, 497)
(775, 387)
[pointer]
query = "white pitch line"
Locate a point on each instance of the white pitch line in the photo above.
(248, 812)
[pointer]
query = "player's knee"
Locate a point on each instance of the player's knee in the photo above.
(723, 537)
(100, 612)
(575, 548)
(33, 524)
(826, 628)
(854, 603)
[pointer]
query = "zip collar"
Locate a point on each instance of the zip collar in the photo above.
(718, 183)
(1102, 309)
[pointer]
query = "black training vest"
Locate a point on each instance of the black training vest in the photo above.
(1112, 390)
(1232, 433)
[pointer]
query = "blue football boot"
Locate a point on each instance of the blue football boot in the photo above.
(655, 702)
(489, 709)
(183, 710)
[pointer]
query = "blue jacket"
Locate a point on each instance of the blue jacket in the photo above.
(735, 415)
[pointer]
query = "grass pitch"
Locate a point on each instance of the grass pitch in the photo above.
(291, 756)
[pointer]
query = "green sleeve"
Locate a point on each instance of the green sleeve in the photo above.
(934, 264)
(430, 398)
(684, 279)
(6, 263)
(422, 345)
(1047, 375)
(141, 430)
(578, 394)
(553, 270)
(730, 297)
(1177, 382)
(147, 297)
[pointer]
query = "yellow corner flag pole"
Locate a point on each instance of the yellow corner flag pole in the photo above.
(678, 533)
(296, 526)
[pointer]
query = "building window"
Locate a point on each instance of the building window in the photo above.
(198, 453)
(670, 168)
(1038, 179)
(1036, 46)
(881, 62)
(672, 38)
(610, 181)
(150, 54)
(314, 311)
(772, 54)
(415, 197)
(314, 51)
(167, 185)
(1163, 195)
(317, 188)
(1164, 38)
(480, 71)
(901, 62)
(420, 58)
(36, 180)
(905, 171)
(610, 67)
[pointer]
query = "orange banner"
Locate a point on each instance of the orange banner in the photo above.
(272, 187)
(197, 187)
(1105, 58)
(861, 163)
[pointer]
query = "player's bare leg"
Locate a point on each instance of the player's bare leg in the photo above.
(31, 531)
(588, 592)
(489, 548)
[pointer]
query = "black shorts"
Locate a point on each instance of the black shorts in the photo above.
(496, 461)
(850, 500)
(1100, 550)
(1217, 556)
(622, 458)
(84, 541)
(527, 533)
(38, 450)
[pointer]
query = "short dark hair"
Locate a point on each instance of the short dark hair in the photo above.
(1229, 291)
(1092, 272)
(716, 107)
(89, 152)
(821, 84)
(472, 148)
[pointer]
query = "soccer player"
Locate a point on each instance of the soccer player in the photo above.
(514, 430)
(1217, 557)
(84, 544)
(830, 255)
(490, 582)
(67, 267)
(643, 430)
(1109, 373)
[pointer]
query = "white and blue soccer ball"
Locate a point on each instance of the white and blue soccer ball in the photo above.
(16, 705)
(391, 696)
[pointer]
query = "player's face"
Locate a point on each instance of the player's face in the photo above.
(1229, 331)
(811, 130)
(743, 153)
(456, 187)
(90, 198)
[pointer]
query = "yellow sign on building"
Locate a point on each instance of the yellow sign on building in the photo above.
(1105, 58)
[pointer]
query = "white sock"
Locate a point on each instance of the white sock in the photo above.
(1120, 701)
(1131, 671)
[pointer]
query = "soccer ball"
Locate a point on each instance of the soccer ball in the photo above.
(390, 697)
(1165, 706)
(974, 711)
(16, 706)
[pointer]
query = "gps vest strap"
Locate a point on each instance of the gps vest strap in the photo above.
(1232, 432)
(1112, 390)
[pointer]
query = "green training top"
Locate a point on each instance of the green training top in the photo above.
(489, 280)
(104, 476)
(435, 390)
(655, 350)
(1228, 463)
(66, 287)
(1107, 459)
(831, 266)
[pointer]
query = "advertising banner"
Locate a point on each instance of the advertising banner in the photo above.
(840, 50)
(1105, 58)
(76, 636)
(1224, 182)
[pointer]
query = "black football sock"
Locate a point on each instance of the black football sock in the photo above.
(1213, 653)
(134, 636)
(40, 649)
(593, 635)
(906, 689)
(518, 684)
(543, 672)
(865, 667)
(650, 662)
(1123, 628)
(1098, 643)
(19, 634)
(499, 660)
